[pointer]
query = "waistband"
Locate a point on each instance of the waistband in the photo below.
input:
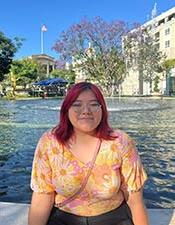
(121, 213)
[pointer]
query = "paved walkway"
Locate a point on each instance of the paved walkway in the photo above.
(16, 214)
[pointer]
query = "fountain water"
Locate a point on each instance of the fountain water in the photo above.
(150, 122)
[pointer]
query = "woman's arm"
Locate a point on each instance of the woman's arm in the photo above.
(40, 208)
(137, 207)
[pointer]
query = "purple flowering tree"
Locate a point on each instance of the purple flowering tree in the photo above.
(97, 47)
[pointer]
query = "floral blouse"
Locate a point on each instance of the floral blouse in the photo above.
(117, 168)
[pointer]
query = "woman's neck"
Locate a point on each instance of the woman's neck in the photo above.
(83, 137)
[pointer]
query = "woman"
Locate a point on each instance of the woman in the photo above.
(87, 171)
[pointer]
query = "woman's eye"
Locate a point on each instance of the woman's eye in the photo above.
(77, 105)
(94, 104)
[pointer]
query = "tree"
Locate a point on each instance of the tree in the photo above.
(95, 48)
(8, 48)
(168, 64)
(108, 69)
(22, 72)
(167, 67)
(142, 54)
(68, 75)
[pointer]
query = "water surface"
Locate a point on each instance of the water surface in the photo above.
(150, 122)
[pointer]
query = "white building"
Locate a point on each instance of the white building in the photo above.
(81, 75)
(46, 61)
(162, 27)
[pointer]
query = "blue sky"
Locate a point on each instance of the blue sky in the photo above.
(24, 18)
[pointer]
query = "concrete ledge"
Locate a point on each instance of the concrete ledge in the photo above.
(16, 214)
(13, 214)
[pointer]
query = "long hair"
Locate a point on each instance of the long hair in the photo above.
(64, 130)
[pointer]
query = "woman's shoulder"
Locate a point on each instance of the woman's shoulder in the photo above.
(47, 136)
(120, 134)
(116, 137)
(49, 143)
(115, 143)
(122, 138)
(120, 144)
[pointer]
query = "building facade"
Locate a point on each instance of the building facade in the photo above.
(162, 28)
(81, 74)
(46, 61)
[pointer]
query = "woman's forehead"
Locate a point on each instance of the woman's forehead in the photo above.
(87, 94)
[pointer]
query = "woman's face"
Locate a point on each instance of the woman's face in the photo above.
(85, 113)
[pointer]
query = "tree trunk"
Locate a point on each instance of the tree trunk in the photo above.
(140, 82)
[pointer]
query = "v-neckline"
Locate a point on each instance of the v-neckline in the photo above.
(76, 158)
(87, 164)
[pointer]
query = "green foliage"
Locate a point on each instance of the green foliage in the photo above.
(68, 75)
(10, 95)
(109, 74)
(25, 71)
(142, 54)
(169, 64)
(22, 72)
(156, 82)
(8, 48)
(94, 47)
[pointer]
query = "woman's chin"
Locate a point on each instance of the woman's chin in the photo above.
(86, 130)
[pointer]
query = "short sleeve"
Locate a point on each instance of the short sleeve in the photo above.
(41, 177)
(133, 175)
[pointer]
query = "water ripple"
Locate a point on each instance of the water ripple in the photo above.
(150, 122)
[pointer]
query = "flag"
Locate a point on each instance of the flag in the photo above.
(43, 29)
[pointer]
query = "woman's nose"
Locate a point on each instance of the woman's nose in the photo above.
(86, 109)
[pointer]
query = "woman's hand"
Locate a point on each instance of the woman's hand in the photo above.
(40, 208)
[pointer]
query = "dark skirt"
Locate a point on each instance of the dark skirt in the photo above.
(118, 216)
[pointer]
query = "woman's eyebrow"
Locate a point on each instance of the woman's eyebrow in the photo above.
(91, 100)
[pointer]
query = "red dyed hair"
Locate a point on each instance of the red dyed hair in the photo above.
(64, 130)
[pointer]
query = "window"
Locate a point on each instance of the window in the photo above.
(157, 35)
(167, 44)
(167, 31)
(172, 16)
(161, 22)
(157, 46)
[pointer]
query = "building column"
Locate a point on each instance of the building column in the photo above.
(48, 69)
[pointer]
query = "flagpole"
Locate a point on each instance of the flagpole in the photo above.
(43, 29)
(42, 42)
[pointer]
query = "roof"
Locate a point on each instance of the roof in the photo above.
(51, 81)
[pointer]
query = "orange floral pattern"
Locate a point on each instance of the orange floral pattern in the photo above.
(117, 168)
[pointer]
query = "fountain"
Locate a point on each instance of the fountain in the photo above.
(151, 122)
